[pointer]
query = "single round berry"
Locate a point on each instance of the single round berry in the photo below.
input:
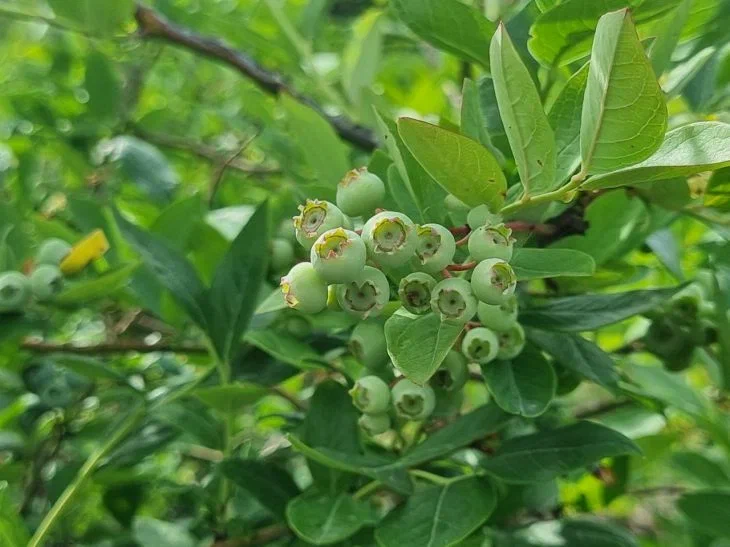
(493, 280)
(499, 317)
(371, 395)
(453, 300)
(282, 254)
(287, 231)
(391, 238)
(298, 326)
(480, 345)
(14, 291)
(315, 218)
(482, 216)
(491, 242)
(453, 372)
(412, 401)
(52, 251)
(46, 281)
(304, 289)
(374, 424)
(367, 343)
(436, 247)
(360, 193)
(366, 295)
(511, 342)
(338, 255)
(414, 292)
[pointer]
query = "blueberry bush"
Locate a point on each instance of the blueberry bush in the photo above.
(395, 273)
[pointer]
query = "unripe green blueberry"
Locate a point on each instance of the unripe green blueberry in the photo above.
(499, 317)
(46, 281)
(414, 292)
(287, 231)
(511, 342)
(371, 395)
(338, 255)
(367, 343)
(436, 247)
(482, 216)
(366, 295)
(668, 338)
(453, 372)
(453, 300)
(374, 424)
(492, 280)
(360, 193)
(491, 242)
(14, 291)
(52, 251)
(304, 289)
(298, 326)
(391, 238)
(315, 218)
(282, 254)
(412, 401)
(480, 345)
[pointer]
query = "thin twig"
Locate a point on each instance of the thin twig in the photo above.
(531, 227)
(121, 346)
(466, 266)
(221, 169)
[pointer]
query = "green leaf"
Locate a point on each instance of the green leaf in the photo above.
(683, 74)
(687, 150)
(108, 283)
(528, 130)
(418, 344)
(717, 194)
(149, 532)
(524, 385)
(230, 398)
(236, 284)
(548, 454)
(532, 263)
(270, 485)
(102, 84)
(565, 118)
(624, 111)
(449, 25)
(12, 529)
(701, 469)
(664, 245)
(401, 193)
(86, 366)
(324, 519)
(667, 40)
(574, 533)
(579, 355)
(708, 510)
(439, 515)
(592, 311)
(94, 16)
(361, 58)
(670, 389)
(461, 166)
(474, 121)
(285, 348)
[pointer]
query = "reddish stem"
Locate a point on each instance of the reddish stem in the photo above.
(460, 230)
(472, 325)
(462, 267)
(379, 210)
(522, 226)
(463, 241)
(446, 273)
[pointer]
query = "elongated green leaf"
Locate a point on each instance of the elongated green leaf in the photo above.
(532, 263)
(461, 166)
(439, 515)
(624, 112)
(528, 130)
(103, 86)
(524, 385)
(668, 37)
(270, 485)
(701, 469)
(449, 25)
(683, 74)
(474, 118)
(574, 533)
(418, 344)
(565, 117)
(12, 529)
(89, 367)
(284, 348)
(592, 311)
(687, 150)
(234, 291)
(230, 398)
(709, 510)
(362, 55)
(100, 287)
(93, 16)
(670, 389)
(149, 532)
(401, 194)
(322, 519)
(548, 454)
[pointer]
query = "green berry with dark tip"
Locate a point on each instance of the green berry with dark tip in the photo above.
(414, 292)
(304, 289)
(367, 343)
(480, 345)
(453, 372)
(493, 280)
(435, 249)
(52, 251)
(453, 300)
(338, 255)
(15, 291)
(315, 218)
(360, 192)
(411, 401)
(374, 424)
(371, 395)
(282, 254)
(499, 317)
(366, 295)
(391, 238)
(46, 281)
(511, 342)
(491, 242)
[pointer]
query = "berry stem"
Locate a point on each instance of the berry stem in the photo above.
(466, 266)
(463, 241)
(446, 273)
(547, 197)
(460, 230)
(521, 226)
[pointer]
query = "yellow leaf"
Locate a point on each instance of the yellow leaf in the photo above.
(92, 247)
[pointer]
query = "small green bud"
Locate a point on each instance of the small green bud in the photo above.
(46, 281)
(366, 295)
(338, 255)
(367, 344)
(453, 372)
(500, 317)
(435, 249)
(14, 291)
(391, 238)
(491, 242)
(412, 401)
(374, 424)
(360, 193)
(452, 299)
(282, 254)
(493, 280)
(482, 216)
(52, 251)
(511, 342)
(414, 292)
(480, 345)
(304, 289)
(315, 218)
(371, 395)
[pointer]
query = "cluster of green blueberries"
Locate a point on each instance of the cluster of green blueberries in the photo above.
(44, 282)
(347, 271)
